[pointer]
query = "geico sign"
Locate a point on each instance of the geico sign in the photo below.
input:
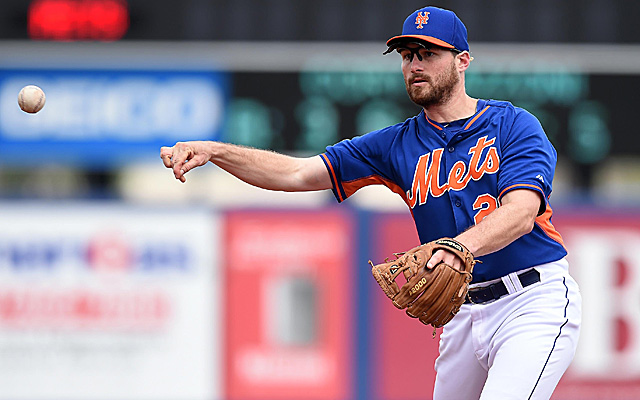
(122, 107)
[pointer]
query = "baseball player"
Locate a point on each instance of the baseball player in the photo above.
(478, 171)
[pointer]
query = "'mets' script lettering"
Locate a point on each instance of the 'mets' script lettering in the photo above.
(427, 175)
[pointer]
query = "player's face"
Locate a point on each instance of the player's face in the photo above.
(432, 80)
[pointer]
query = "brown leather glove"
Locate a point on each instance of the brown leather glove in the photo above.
(434, 296)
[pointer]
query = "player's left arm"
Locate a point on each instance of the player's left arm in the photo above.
(514, 218)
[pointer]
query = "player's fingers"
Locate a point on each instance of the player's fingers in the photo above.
(197, 161)
(165, 155)
(180, 155)
(456, 263)
(436, 258)
(451, 259)
(166, 151)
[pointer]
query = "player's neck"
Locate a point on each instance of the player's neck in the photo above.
(459, 107)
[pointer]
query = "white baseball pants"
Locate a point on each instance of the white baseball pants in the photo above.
(516, 347)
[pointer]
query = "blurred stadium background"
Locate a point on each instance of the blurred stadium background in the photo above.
(118, 282)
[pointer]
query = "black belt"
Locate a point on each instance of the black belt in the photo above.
(498, 289)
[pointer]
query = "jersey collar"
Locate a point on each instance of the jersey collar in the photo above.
(472, 122)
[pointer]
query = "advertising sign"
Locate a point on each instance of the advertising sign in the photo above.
(97, 118)
(100, 302)
(289, 324)
(410, 359)
(604, 254)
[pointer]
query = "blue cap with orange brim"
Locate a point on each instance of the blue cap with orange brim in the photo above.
(435, 26)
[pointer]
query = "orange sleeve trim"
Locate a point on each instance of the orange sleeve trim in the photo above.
(476, 117)
(544, 222)
(334, 179)
(522, 185)
(352, 186)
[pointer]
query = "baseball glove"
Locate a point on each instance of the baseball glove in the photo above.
(434, 296)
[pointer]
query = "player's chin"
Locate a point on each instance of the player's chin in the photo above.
(420, 95)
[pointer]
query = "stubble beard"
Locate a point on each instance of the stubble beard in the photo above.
(438, 91)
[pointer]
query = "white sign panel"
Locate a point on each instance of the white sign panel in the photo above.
(606, 265)
(108, 302)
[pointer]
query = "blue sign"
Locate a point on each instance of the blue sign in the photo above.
(98, 119)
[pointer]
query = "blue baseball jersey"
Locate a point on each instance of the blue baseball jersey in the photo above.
(452, 176)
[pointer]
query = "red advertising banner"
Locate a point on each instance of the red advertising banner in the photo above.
(406, 350)
(289, 324)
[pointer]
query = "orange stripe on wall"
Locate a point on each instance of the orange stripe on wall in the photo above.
(544, 222)
(333, 176)
(352, 186)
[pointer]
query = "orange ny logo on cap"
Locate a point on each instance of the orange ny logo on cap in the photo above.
(422, 18)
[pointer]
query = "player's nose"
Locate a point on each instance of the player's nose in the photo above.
(416, 65)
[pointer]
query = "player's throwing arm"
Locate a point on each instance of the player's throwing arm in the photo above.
(262, 168)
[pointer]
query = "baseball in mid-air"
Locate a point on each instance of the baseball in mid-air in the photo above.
(31, 99)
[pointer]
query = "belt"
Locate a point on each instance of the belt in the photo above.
(498, 289)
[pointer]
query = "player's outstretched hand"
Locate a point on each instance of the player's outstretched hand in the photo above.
(185, 156)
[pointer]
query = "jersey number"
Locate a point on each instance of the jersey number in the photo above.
(485, 203)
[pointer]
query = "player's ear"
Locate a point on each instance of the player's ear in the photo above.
(463, 60)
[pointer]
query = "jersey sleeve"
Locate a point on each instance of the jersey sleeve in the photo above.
(361, 161)
(528, 159)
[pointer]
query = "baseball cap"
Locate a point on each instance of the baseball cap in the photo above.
(433, 25)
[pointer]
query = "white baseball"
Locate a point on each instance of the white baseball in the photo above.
(31, 99)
